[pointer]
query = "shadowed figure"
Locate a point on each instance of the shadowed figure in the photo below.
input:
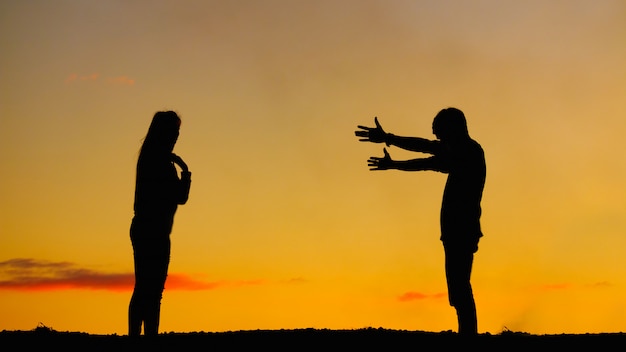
(158, 192)
(457, 154)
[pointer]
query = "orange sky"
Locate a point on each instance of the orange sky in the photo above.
(285, 226)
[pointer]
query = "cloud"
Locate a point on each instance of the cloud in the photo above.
(599, 284)
(36, 275)
(555, 287)
(91, 77)
(295, 280)
(76, 77)
(71, 78)
(121, 80)
(417, 296)
(185, 282)
(25, 274)
(571, 286)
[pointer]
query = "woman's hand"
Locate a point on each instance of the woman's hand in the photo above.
(179, 161)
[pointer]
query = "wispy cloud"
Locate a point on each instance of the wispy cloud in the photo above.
(186, 282)
(96, 77)
(121, 80)
(599, 284)
(295, 280)
(74, 77)
(562, 286)
(555, 287)
(25, 274)
(71, 78)
(417, 296)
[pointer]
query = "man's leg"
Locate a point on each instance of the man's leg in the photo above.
(458, 265)
(466, 314)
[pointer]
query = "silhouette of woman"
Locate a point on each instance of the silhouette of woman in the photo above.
(158, 192)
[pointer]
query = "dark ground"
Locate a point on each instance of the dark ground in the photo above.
(46, 339)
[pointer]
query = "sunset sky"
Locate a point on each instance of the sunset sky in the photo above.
(285, 226)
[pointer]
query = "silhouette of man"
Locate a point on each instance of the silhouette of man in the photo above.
(457, 154)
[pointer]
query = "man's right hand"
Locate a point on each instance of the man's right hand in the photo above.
(372, 134)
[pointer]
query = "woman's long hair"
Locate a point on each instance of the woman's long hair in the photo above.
(162, 133)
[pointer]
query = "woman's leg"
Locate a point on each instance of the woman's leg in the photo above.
(136, 308)
(151, 254)
(159, 263)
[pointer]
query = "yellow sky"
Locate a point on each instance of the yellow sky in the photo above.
(285, 226)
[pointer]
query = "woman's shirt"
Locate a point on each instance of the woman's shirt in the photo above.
(158, 189)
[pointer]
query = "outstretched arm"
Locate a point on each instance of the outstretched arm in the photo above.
(378, 135)
(371, 134)
(414, 144)
(421, 164)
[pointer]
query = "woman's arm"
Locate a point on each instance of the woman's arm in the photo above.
(185, 180)
(184, 187)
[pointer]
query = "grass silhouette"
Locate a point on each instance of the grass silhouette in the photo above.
(44, 338)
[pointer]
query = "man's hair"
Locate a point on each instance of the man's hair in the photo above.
(451, 120)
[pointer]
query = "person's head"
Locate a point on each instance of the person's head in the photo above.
(450, 124)
(163, 132)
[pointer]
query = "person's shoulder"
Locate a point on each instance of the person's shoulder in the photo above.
(475, 144)
(474, 148)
